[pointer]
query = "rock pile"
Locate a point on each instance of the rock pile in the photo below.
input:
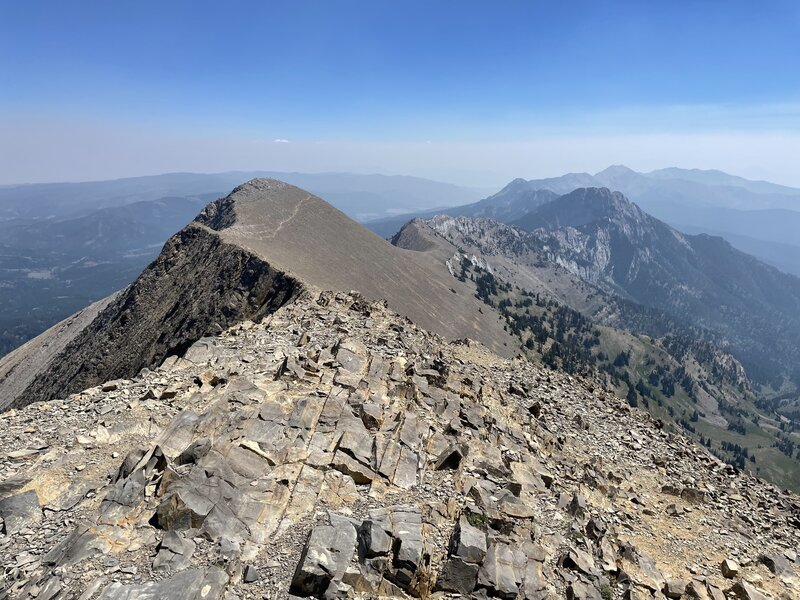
(336, 450)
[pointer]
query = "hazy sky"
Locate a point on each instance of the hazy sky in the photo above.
(476, 93)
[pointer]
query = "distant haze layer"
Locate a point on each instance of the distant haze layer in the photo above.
(39, 151)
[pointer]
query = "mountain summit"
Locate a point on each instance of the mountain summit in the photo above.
(581, 207)
(700, 279)
(243, 257)
(335, 450)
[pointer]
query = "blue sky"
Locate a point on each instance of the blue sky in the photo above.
(470, 90)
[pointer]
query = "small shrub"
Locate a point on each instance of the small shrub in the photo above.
(478, 520)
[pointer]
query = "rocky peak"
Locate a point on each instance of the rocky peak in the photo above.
(582, 207)
(618, 176)
(516, 185)
(615, 170)
(243, 257)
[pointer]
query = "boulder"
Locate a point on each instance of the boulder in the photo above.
(373, 541)
(730, 568)
(497, 573)
(457, 576)
(579, 590)
(776, 563)
(745, 591)
(467, 551)
(468, 543)
(174, 552)
(324, 559)
(675, 588)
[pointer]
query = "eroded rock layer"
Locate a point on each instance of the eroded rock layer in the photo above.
(336, 450)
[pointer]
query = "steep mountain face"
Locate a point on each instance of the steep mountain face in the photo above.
(581, 207)
(242, 258)
(336, 450)
(746, 213)
(605, 239)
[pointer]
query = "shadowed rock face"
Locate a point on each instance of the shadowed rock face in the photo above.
(244, 256)
(199, 285)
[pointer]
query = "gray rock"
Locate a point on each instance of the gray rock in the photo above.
(359, 445)
(348, 465)
(776, 563)
(325, 558)
(373, 540)
(730, 568)
(174, 552)
(20, 511)
(250, 574)
(497, 572)
(457, 576)
(581, 561)
(578, 590)
(81, 543)
(195, 584)
(675, 588)
(51, 588)
(745, 591)
(469, 543)
(693, 495)
(196, 450)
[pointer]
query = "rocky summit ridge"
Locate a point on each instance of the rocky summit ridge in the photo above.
(243, 257)
(335, 449)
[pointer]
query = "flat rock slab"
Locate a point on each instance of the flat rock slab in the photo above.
(196, 584)
(20, 511)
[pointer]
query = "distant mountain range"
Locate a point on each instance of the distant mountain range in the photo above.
(359, 196)
(752, 215)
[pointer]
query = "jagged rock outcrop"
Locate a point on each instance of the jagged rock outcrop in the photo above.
(243, 257)
(334, 449)
(609, 241)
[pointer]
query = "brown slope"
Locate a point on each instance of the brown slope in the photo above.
(307, 238)
(245, 256)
